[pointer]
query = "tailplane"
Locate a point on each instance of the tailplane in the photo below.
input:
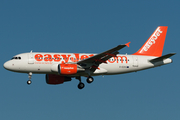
(154, 45)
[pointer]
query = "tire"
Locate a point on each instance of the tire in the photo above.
(81, 85)
(29, 82)
(90, 79)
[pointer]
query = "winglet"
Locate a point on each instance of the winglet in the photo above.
(127, 44)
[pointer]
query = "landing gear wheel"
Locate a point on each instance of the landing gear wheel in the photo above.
(29, 82)
(29, 76)
(81, 85)
(90, 79)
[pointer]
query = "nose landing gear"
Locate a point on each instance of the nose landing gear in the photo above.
(29, 76)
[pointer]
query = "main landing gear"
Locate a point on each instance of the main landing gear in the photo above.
(29, 76)
(81, 85)
(90, 79)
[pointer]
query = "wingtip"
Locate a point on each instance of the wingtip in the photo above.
(127, 44)
(173, 53)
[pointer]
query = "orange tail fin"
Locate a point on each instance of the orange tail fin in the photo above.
(154, 45)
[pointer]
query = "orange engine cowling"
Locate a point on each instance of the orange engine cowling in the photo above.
(56, 79)
(67, 69)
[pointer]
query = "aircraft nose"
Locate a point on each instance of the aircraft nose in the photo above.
(7, 65)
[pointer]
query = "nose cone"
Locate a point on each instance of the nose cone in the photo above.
(7, 65)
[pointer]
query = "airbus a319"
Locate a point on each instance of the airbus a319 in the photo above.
(62, 67)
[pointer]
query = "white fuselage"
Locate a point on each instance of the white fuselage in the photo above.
(42, 63)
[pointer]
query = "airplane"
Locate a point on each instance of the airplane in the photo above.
(62, 67)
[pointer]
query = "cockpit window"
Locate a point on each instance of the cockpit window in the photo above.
(16, 58)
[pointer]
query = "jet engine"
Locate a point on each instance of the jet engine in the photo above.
(67, 69)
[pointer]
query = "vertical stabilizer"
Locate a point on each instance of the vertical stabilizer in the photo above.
(154, 45)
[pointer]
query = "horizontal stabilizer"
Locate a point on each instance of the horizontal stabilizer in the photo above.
(162, 57)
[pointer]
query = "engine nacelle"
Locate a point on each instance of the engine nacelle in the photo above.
(56, 79)
(66, 69)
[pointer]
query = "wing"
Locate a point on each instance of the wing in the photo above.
(94, 61)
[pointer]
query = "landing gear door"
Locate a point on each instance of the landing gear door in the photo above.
(30, 58)
(135, 61)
